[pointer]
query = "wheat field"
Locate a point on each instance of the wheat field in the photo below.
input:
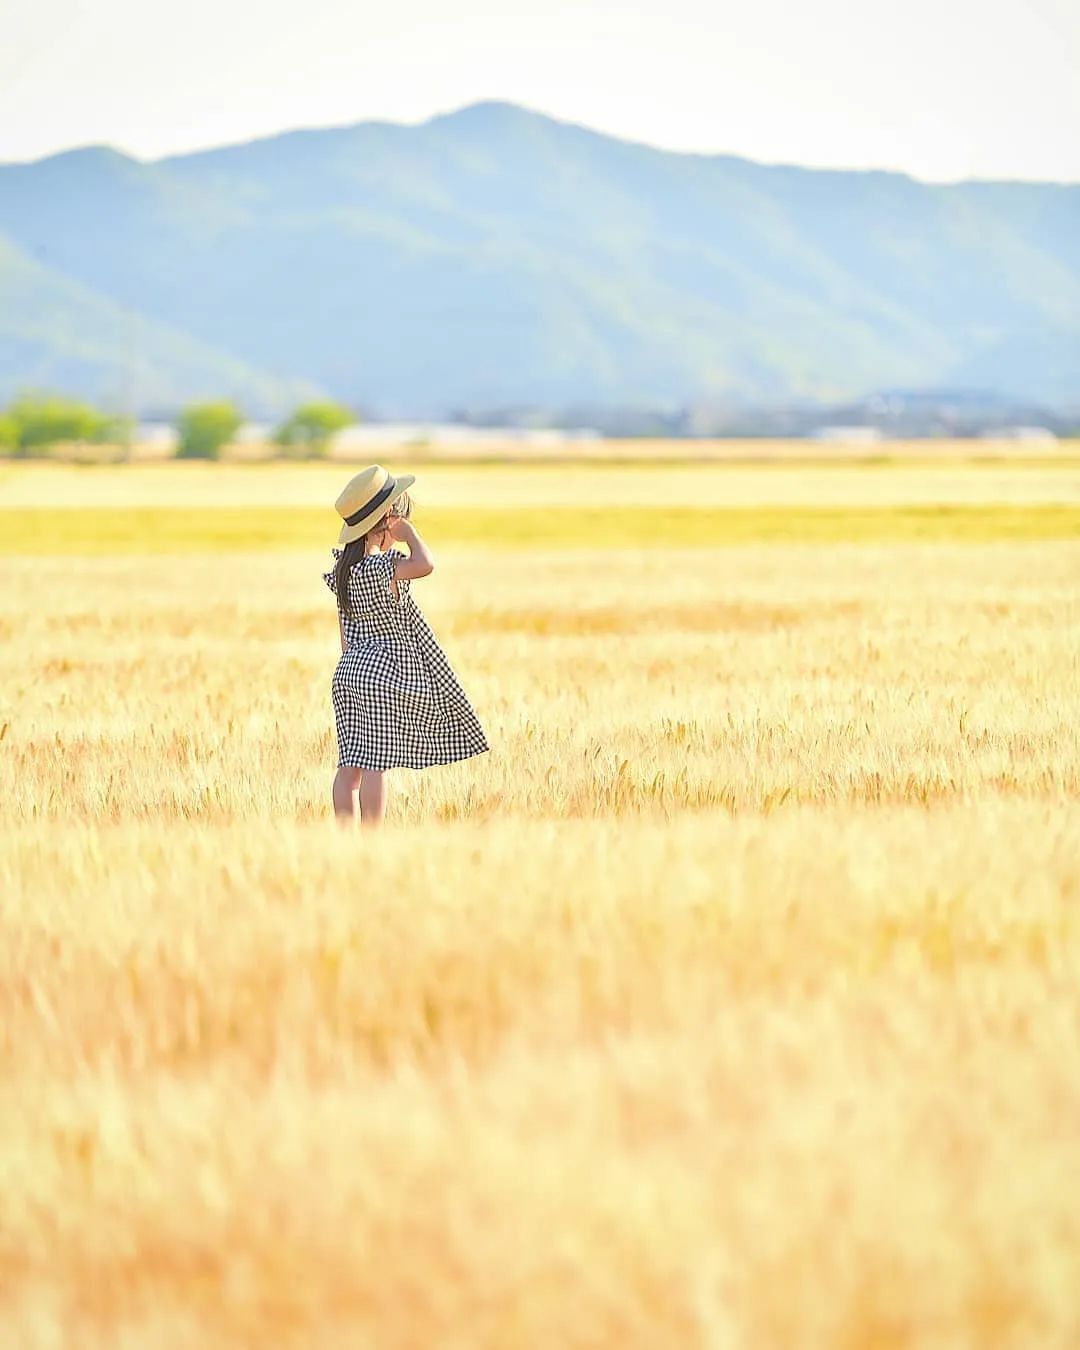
(730, 1000)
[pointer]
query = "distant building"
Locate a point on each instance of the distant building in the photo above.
(857, 435)
(368, 434)
(1029, 435)
(254, 433)
(160, 439)
(156, 436)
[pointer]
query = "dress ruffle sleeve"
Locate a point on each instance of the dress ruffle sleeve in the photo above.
(393, 556)
(330, 577)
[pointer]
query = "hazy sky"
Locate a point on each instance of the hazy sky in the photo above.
(941, 89)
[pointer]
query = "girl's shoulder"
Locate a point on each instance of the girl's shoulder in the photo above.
(369, 563)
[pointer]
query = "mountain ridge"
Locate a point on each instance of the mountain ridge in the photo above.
(495, 255)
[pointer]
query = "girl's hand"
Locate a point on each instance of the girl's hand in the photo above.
(397, 527)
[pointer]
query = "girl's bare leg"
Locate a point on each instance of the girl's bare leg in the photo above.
(346, 782)
(372, 796)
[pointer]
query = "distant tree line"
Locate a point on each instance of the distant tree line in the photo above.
(33, 422)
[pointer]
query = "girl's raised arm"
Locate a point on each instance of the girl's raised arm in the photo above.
(419, 563)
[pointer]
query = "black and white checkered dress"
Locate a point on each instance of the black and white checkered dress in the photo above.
(397, 701)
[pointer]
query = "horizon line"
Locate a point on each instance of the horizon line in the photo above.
(282, 133)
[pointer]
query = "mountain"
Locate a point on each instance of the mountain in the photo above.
(496, 256)
(56, 333)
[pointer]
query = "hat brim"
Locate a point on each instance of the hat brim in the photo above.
(351, 532)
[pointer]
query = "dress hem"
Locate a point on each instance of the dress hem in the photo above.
(426, 764)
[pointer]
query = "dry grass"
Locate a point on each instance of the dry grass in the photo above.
(90, 531)
(730, 1000)
(636, 450)
(804, 1080)
(1016, 482)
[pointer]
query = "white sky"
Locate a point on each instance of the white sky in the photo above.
(941, 89)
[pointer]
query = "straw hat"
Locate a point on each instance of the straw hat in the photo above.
(366, 499)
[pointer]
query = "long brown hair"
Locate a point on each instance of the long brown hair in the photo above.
(356, 551)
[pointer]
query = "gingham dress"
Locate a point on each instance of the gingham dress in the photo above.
(397, 701)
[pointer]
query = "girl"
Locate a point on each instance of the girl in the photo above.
(397, 701)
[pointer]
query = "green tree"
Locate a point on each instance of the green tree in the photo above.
(9, 434)
(43, 419)
(309, 429)
(205, 427)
